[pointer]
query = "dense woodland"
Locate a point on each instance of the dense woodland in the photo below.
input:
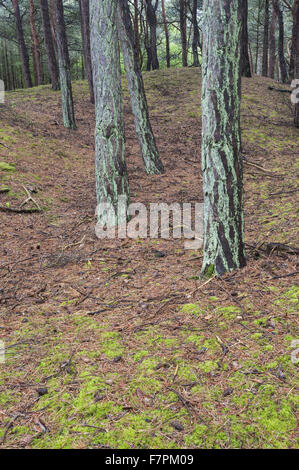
(141, 342)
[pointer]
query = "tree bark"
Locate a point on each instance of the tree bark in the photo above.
(296, 64)
(22, 46)
(266, 41)
(36, 46)
(183, 31)
(85, 32)
(49, 45)
(111, 170)
(294, 38)
(221, 159)
(282, 61)
(152, 22)
(166, 34)
(68, 116)
(149, 151)
(195, 42)
(272, 45)
(244, 60)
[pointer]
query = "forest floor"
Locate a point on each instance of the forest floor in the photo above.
(119, 343)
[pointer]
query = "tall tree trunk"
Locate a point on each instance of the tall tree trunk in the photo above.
(52, 62)
(195, 41)
(183, 31)
(166, 33)
(68, 117)
(149, 151)
(22, 46)
(272, 45)
(282, 61)
(152, 22)
(296, 62)
(111, 170)
(35, 42)
(244, 60)
(258, 35)
(221, 159)
(136, 29)
(266, 40)
(294, 38)
(85, 31)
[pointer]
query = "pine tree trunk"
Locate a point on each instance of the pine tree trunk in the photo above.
(152, 22)
(22, 46)
(111, 171)
(294, 38)
(296, 63)
(136, 29)
(244, 60)
(85, 31)
(195, 42)
(149, 151)
(183, 30)
(282, 61)
(272, 45)
(221, 159)
(35, 42)
(49, 45)
(68, 117)
(166, 34)
(266, 40)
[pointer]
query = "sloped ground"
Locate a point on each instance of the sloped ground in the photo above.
(120, 344)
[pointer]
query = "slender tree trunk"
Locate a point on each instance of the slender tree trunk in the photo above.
(258, 36)
(272, 45)
(49, 45)
(183, 31)
(195, 42)
(136, 29)
(22, 46)
(296, 64)
(266, 40)
(111, 171)
(68, 116)
(36, 46)
(152, 22)
(166, 33)
(149, 151)
(221, 159)
(282, 61)
(294, 37)
(244, 60)
(85, 31)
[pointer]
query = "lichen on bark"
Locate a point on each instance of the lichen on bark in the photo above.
(110, 166)
(221, 159)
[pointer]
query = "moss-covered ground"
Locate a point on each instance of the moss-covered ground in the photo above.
(119, 343)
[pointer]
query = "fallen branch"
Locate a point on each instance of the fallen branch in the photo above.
(19, 211)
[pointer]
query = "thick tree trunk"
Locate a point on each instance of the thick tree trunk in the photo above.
(272, 45)
(36, 46)
(221, 159)
(68, 117)
(52, 62)
(183, 31)
(22, 46)
(195, 41)
(282, 61)
(85, 32)
(149, 151)
(111, 171)
(296, 64)
(166, 34)
(152, 22)
(266, 40)
(244, 60)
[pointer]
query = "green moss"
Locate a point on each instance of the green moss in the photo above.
(7, 167)
(194, 309)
